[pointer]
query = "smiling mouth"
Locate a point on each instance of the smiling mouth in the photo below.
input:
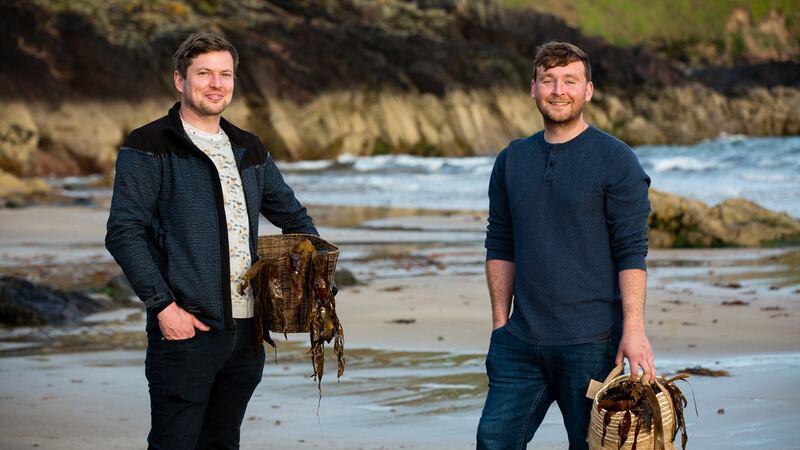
(558, 103)
(215, 97)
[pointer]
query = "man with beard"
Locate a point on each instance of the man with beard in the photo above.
(183, 226)
(566, 244)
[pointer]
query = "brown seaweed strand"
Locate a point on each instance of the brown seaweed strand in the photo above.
(275, 291)
(258, 313)
(636, 431)
(679, 402)
(251, 273)
(338, 348)
(261, 306)
(338, 342)
(265, 277)
(317, 350)
(325, 292)
(624, 428)
(658, 425)
(606, 423)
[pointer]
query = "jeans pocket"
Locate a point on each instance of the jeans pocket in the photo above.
(178, 345)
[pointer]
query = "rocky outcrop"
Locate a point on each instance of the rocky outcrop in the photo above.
(478, 121)
(483, 121)
(19, 137)
(690, 113)
(12, 187)
(24, 303)
(681, 222)
(322, 77)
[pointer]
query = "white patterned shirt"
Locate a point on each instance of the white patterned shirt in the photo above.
(218, 147)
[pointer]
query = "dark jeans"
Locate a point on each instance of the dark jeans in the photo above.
(525, 379)
(199, 387)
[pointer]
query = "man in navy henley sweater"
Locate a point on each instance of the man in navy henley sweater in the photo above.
(567, 241)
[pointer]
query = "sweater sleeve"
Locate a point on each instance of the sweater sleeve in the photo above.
(499, 232)
(627, 209)
(133, 204)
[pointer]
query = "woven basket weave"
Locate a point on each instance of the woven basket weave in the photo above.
(646, 440)
(275, 249)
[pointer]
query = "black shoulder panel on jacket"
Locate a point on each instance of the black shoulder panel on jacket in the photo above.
(151, 138)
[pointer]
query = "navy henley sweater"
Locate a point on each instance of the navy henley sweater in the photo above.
(570, 216)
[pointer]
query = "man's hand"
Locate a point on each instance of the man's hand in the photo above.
(636, 348)
(177, 324)
(634, 344)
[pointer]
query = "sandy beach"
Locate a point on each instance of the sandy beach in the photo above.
(417, 329)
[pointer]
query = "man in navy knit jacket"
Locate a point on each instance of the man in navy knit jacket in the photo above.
(566, 244)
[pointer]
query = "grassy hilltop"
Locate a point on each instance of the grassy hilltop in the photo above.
(693, 31)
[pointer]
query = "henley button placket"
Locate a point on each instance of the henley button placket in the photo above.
(551, 162)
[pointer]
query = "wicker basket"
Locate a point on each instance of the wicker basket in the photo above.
(289, 315)
(647, 439)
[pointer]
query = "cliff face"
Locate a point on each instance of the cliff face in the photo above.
(321, 77)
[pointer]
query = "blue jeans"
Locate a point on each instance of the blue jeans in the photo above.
(199, 387)
(525, 379)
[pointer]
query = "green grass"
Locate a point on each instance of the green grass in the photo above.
(636, 22)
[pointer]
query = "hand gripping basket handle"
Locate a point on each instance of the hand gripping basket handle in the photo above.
(615, 372)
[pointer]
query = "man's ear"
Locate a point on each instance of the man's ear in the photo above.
(533, 87)
(178, 79)
(589, 91)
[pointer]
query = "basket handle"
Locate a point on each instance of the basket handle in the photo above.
(614, 373)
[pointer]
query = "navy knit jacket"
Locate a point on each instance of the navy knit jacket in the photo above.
(571, 216)
(167, 227)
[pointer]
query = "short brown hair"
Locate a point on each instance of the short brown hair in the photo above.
(199, 43)
(557, 54)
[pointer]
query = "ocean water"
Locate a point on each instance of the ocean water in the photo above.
(764, 170)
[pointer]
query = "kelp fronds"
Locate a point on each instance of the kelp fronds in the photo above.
(636, 400)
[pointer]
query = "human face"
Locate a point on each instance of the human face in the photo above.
(560, 93)
(208, 87)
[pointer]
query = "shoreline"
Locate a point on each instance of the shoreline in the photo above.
(417, 327)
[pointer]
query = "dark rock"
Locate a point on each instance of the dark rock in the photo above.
(729, 80)
(24, 303)
(118, 288)
(345, 278)
(681, 222)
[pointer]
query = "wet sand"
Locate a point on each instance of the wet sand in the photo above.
(417, 329)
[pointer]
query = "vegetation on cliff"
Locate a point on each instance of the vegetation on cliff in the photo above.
(696, 32)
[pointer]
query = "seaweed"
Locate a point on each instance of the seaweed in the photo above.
(299, 258)
(324, 322)
(312, 295)
(262, 306)
(638, 404)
